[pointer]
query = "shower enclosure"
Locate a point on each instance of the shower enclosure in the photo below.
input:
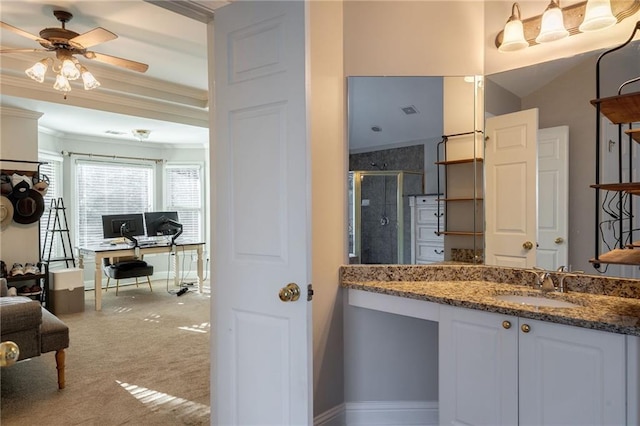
(379, 215)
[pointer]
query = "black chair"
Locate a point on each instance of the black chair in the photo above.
(127, 268)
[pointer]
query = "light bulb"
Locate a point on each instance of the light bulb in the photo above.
(69, 70)
(62, 84)
(552, 27)
(598, 16)
(38, 71)
(89, 80)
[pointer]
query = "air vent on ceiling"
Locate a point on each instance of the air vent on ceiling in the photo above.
(409, 110)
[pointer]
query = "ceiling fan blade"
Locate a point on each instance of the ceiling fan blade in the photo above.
(119, 62)
(22, 50)
(92, 37)
(25, 34)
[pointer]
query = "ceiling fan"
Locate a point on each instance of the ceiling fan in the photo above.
(66, 43)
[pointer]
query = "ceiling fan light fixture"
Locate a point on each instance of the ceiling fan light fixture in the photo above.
(598, 16)
(69, 70)
(552, 27)
(88, 79)
(38, 70)
(62, 84)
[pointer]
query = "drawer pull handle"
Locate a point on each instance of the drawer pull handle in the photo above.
(506, 324)
(438, 251)
(525, 328)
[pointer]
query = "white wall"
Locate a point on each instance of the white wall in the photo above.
(18, 141)
(327, 104)
(419, 38)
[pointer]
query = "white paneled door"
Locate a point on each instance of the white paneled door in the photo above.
(261, 174)
(511, 189)
(553, 197)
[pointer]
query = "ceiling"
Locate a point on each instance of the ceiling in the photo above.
(170, 98)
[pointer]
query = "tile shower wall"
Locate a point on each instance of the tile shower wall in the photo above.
(405, 158)
(379, 232)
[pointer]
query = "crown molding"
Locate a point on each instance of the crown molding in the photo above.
(124, 83)
(19, 113)
(118, 102)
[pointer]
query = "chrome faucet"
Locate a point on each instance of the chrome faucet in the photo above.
(562, 277)
(544, 280)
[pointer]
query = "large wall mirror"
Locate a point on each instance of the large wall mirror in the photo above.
(561, 90)
(396, 127)
(383, 139)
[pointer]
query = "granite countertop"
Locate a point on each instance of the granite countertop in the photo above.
(595, 311)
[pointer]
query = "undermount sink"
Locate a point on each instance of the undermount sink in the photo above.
(537, 301)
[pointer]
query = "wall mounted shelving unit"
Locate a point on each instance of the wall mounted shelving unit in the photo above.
(460, 205)
(622, 110)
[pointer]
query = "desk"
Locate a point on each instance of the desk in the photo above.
(101, 251)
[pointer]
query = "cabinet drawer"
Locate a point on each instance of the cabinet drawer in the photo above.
(428, 215)
(429, 252)
(428, 233)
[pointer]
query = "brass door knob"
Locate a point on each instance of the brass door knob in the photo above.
(9, 353)
(559, 240)
(290, 293)
(525, 328)
(506, 324)
(527, 245)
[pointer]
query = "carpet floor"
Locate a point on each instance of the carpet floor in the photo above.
(142, 360)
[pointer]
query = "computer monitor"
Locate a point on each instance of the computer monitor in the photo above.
(162, 223)
(123, 225)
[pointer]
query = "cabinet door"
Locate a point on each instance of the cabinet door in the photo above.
(478, 368)
(571, 376)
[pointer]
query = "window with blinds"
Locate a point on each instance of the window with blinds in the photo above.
(51, 171)
(184, 195)
(110, 188)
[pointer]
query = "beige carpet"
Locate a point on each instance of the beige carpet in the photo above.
(142, 360)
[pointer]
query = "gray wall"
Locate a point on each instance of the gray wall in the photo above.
(389, 357)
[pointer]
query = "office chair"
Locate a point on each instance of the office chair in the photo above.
(129, 267)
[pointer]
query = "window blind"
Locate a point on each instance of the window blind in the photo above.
(53, 170)
(184, 195)
(110, 188)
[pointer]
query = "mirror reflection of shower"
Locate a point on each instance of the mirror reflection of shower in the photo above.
(379, 214)
(384, 218)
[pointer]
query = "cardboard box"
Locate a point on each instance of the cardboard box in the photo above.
(66, 291)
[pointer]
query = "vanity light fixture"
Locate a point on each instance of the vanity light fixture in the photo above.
(513, 32)
(598, 16)
(559, 22)
(552, 27)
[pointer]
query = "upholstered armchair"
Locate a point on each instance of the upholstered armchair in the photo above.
(32, 328)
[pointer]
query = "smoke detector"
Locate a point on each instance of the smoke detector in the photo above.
(141, 134)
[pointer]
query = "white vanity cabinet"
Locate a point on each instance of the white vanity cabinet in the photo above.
(504, 370)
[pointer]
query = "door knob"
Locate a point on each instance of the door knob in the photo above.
(9, 353)
(527, 245)
(559, 240)
(525, 328)
(290, 293)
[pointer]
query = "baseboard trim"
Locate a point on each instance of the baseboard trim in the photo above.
(332, 417)
(381, 413)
